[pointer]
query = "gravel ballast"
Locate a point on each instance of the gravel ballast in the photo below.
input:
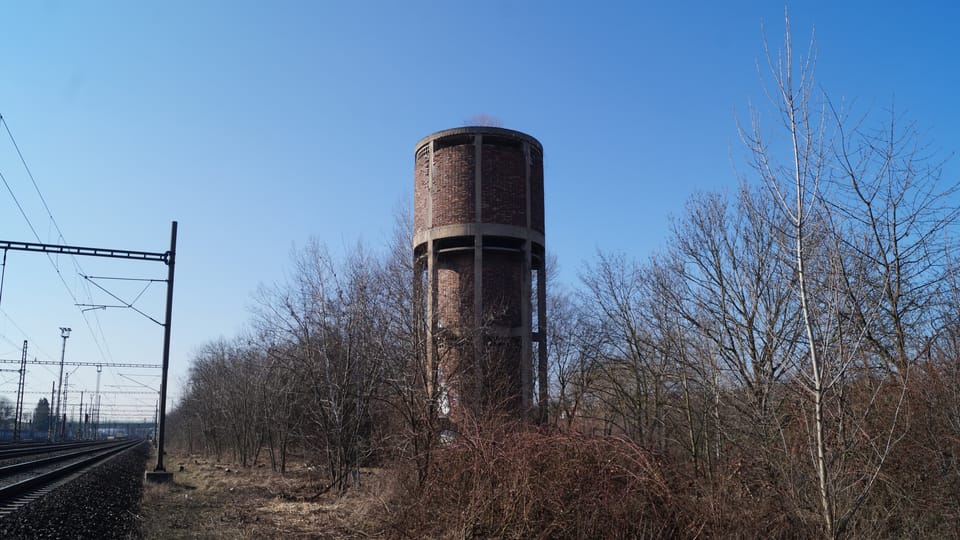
(102, 503)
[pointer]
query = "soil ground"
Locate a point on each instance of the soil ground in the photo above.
(218, 500)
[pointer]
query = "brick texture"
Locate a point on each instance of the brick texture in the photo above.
(481, 366)
(421, 188)
(536, 190)
(500, 367)
(504, 196)
(455, 290)
(453, 185)
(501, 288)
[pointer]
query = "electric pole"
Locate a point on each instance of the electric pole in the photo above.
(80, 425)
(64, 333)
(66, 391)
(159, 473)
(96, 406)
(18, 427)
(53, 390)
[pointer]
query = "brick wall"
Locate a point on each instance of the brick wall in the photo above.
(455, 289)
(503, 199)
(504, 195)
(501, 287)
(453, 185)
(500, 373)
(536, 190)
(421, 188)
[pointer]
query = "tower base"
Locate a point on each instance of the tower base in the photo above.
(159, 477)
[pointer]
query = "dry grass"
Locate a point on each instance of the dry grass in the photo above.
(216, 500)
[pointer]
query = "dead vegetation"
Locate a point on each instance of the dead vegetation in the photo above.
(509, 482)
(217, 500)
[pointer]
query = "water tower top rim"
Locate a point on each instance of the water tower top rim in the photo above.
(480, 130)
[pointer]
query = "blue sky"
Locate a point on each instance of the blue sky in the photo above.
(258, 125)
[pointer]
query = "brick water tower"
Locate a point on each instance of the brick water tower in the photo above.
(479, 266)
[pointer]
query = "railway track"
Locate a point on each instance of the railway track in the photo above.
(15, 450)
(25, 481)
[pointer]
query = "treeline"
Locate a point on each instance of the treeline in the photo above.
(788, 365)
(327, 370)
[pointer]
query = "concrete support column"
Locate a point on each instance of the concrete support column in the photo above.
(542, 338)
(479, 324)
(526, 363)
(526, 360)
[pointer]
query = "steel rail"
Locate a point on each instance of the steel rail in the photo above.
(42, 448)
(73, 449)
(24, 487)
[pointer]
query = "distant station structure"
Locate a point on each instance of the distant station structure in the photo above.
(480, 274)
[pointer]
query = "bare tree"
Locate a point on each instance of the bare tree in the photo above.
(324, 323)
(573, 345)
(899, 215)
(733, 290)
(410, 388)
(635, 372)
(868, 219)
(794, 102)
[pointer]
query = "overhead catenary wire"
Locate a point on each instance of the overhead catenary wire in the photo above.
(32, 180)
(102, 347)
(126, 304)
(52, 219)
(98, 335)
(33, 347)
